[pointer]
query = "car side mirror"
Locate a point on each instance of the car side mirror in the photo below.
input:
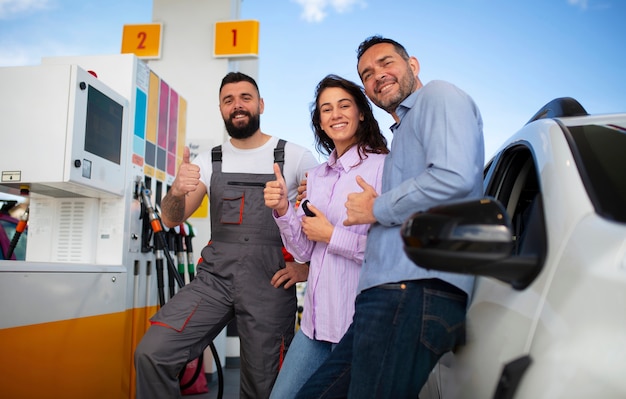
(469, 237)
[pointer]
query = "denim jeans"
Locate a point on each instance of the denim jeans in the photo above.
(304, 356)
(398, 334)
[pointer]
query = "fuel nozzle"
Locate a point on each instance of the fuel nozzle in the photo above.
(189, 235)
(153, 216)
(22, 223)
(159, 233)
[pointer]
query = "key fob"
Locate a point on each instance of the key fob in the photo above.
(305, 208)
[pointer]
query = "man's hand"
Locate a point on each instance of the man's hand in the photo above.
(174, 203)
(275, 193)
(360, 206)
(302, 190)
(188, 177)
(293, 273)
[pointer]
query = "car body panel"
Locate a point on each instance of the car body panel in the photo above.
(570, 320)
(577, 349)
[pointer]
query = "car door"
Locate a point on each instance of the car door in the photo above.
(500, 318)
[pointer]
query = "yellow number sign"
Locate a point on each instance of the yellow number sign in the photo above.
(237, 39)
(142, 40)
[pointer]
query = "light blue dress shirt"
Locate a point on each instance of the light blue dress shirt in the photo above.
(437, 155)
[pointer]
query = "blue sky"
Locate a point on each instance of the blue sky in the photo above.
(511, 56)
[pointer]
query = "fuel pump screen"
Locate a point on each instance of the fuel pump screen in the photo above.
(103, 130)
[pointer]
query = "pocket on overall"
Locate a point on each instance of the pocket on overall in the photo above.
(232, 207)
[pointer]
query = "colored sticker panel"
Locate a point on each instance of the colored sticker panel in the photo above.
(143, 40)
(139, 147)
(172, 134)
(172, 131)
(141, 106)
(164, 99)
(161, 158)
(150, 154)
(236, 39)
(171, 164)
(160, 175)
(182, 127)
(148, 171)
(153, 108)
(137, 160)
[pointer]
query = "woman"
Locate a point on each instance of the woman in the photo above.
(345, 130)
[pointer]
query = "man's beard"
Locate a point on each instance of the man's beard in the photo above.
(406, 83)
(243, 131)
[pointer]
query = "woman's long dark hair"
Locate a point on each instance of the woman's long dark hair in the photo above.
(369, 139)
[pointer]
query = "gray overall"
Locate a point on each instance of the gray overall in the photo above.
(233, 281)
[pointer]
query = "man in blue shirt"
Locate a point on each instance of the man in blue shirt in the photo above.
(406, 317)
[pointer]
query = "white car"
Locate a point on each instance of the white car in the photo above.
(548, 315)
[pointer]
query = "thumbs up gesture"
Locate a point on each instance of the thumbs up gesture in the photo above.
(275, 193)
(360, 206)
(187, 178)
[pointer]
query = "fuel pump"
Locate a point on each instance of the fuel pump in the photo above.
(161, 248)
(189, 234)
(172, 245)
(159, 236)
(180, 249)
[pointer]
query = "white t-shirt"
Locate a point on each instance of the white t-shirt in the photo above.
(260, 160)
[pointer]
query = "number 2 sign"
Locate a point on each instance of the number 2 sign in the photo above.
(142, 40)
(236, 39)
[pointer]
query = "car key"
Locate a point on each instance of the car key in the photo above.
(306, 209)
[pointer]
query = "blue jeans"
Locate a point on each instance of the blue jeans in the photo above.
(304, 356)
(398, 334)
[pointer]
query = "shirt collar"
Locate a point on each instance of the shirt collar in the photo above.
(404, 108)
(348, 160)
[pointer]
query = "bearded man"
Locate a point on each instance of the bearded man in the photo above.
(245, 252)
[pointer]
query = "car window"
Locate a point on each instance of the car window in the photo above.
(513, 181)
(600, 153)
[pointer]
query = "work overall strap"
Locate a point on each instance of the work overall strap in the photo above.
(279, 156)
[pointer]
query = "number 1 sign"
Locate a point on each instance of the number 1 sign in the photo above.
(236, 39)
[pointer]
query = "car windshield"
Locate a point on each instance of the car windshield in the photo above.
(602, 163)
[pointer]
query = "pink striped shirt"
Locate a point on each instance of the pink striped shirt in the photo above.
(334, 269)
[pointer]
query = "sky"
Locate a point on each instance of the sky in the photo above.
(510, 56)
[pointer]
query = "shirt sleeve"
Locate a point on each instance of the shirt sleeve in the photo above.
(348, 244)
(293, 237)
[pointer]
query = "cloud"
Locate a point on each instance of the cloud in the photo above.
(578, 3)
(315, 10)
(11, 8)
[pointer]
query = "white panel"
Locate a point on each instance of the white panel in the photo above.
(62, 230)
(45, 297)
(74, 238)
(110, 236)
(46, 107)
(40, 227)
(33, 108)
